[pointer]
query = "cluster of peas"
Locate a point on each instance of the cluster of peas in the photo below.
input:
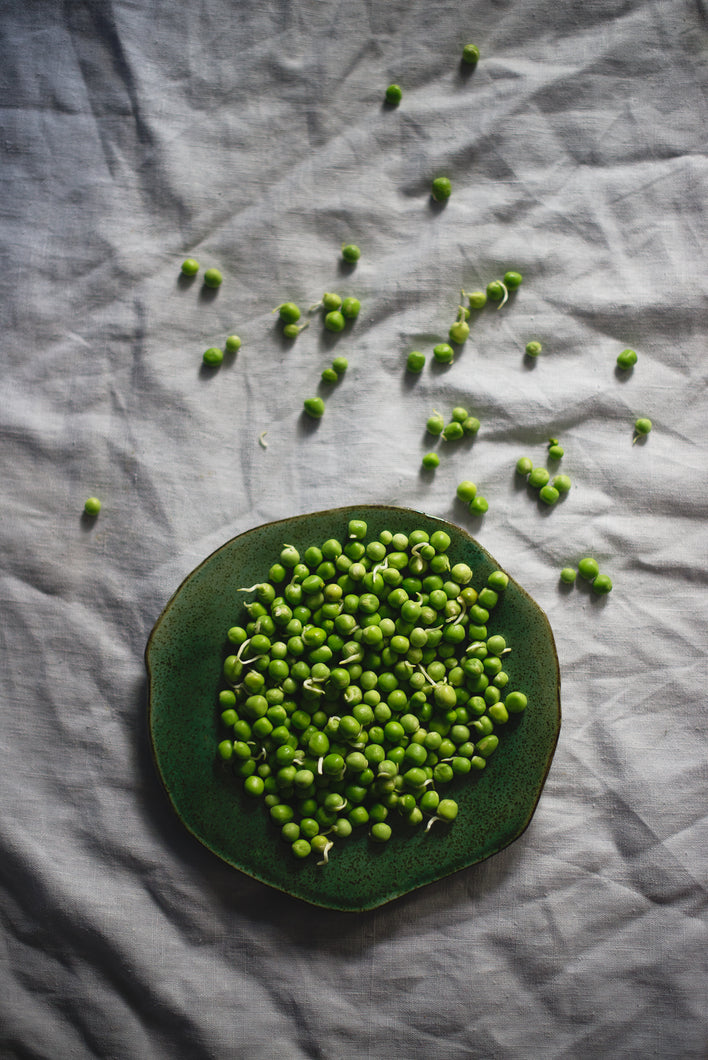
(394, 92)
(363, 680)
(540, 478)
(589, 569)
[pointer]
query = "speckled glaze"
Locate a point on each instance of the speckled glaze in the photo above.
(184, 657)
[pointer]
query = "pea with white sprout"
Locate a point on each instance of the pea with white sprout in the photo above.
(355, 689)
(351, 253)
(626, 359)
(435, 424)
(441, 189)
(497, 292)
(289, 312)
(642, 427)
(533, 348)
(476, 299)
(415, 362)
(460, 330)
(443, 353)
(394, 95)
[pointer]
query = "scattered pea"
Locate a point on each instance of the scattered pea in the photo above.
(476, 299)
(394, 95)
(626, 359)
(213, 357)
(513, 280)
(291, 331)
(351, 253)
(460, 330)
(213, 278)
(435, 424)
(92, 506)
(351, 308)
(288, 312)
(479, 505)
(562, 483)
(441, 189)
(331, 301)
(453, 431)
(443, 353)
(642, 426)
(538, 477)
(495, 291)
(233, 344)
(415, 362)
(334, 321)
(533, 348)
(555, 451)
(471, 425)
(470, 54)
(190, 267)
(430, 461)
(330, 376)
(340, 365)
(588, 568)
(602, 584)
(524, 465)
(314, 407)
(466, 491)
(549, 494)
(568, 575)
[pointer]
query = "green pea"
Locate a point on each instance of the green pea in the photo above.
(568, 575)
(471, 425)
(466, 490)
(479, 506)
(351, 308)
(533, 348)
(435, 424)
(515, 703)
(430, 461)
(470, 54)
(443, 353)
(334, 321)
(288, 312)
(340, 365)
(213, 278)
(233, 343)
(213, 357)
(314, 407)
(92, 506)
(415, 361)
(190, 267)
(626, 359)
(495, 291)
(351, 253)
(477, 299)
(441, 189)
(524, 466)
(562, 483)
(549, 494)
(513, 280)
(602, 584)
(394, 95)
(453, 431)
(642, 426)
(588, 568)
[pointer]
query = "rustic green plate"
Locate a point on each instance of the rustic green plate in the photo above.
(184, 657)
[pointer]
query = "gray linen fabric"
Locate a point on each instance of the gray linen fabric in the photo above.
(253, 136)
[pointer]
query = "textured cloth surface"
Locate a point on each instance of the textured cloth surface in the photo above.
(253, 137)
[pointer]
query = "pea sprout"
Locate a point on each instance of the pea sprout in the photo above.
(291, 331)
(289, 312)
(498, 292)
(476, 299)
(642, 427)
(460, 330)
(262, 439)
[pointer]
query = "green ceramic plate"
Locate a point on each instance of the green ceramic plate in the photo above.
(184, 657)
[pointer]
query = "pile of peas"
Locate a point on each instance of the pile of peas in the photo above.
(362, 681)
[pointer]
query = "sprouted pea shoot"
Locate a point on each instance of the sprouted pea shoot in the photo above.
(347, 708)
